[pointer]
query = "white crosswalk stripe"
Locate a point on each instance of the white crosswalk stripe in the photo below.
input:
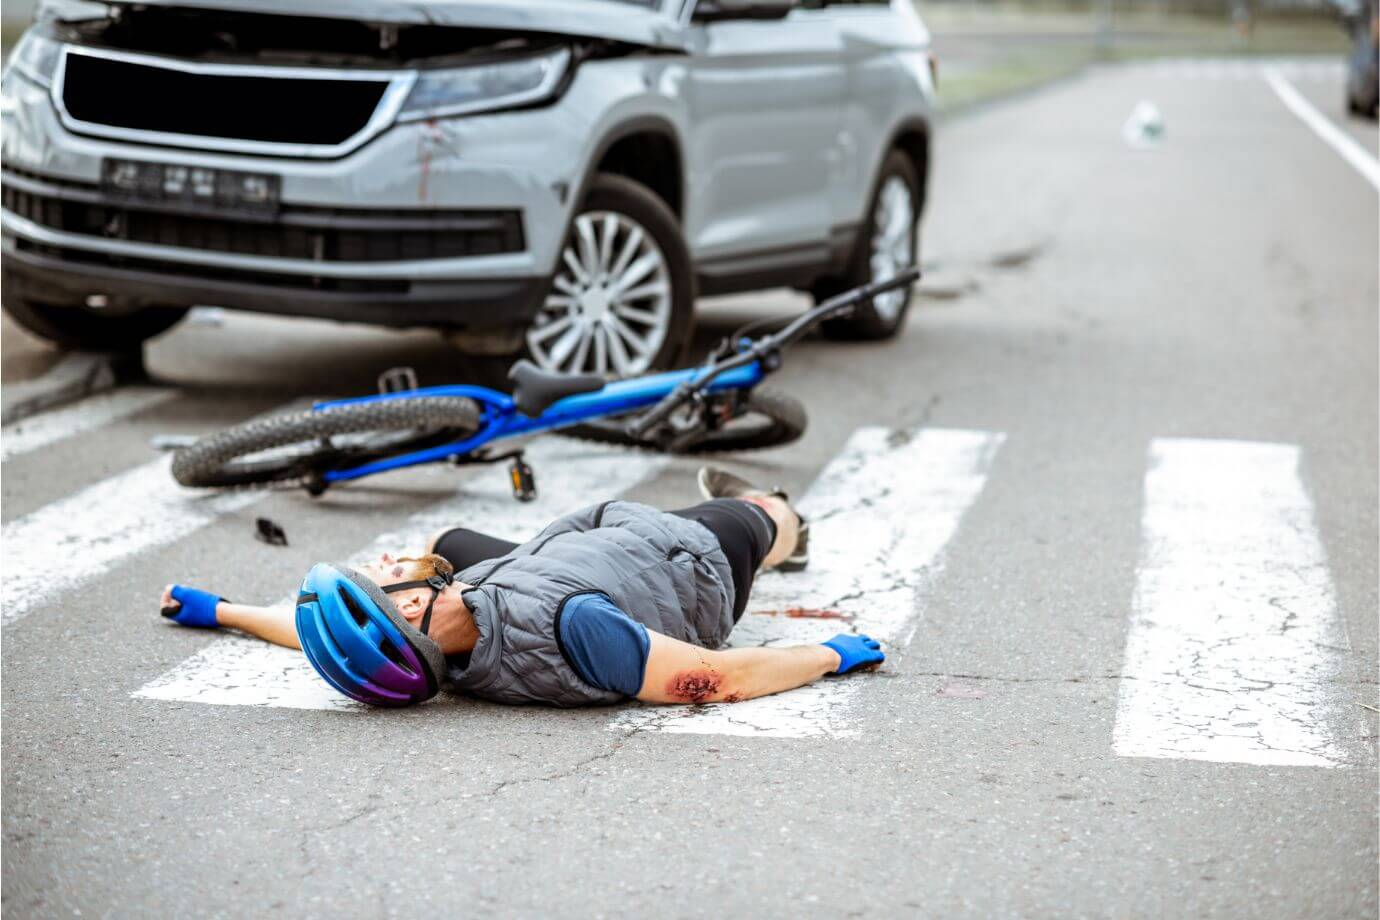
(1236, 646)
(238, 671)
(88, 415)
(881, 514)
(72, 542)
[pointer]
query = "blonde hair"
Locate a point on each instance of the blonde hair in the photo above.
(417, 568)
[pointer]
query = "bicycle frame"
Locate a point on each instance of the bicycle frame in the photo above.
(500, 419)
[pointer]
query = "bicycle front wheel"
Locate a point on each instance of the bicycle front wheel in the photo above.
(300, 446)
(770, 419)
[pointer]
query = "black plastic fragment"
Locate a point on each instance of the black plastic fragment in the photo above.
(265, 531)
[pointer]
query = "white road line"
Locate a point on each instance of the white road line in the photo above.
(1235, 645)
(88, 415)
(881, 515)
(240, 671)
(1365, 163)
(62, 546)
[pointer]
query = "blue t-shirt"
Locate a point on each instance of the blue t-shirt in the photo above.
(607, 648)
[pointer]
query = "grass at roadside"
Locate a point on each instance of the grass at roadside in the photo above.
(991, 51)
(1010, 74)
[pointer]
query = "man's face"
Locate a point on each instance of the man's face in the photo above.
(386, 570)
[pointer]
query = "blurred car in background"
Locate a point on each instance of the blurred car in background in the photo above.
(558, 178)
(1363, 69)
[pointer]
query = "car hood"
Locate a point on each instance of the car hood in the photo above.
(622, 22)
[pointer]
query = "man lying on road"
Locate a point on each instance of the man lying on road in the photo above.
(618, 600)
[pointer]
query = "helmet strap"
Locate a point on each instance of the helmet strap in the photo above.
(437, 584)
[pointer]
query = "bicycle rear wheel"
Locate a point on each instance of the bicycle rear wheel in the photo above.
(769, 419)
(300, 446)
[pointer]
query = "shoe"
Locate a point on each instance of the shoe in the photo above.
(716, 483)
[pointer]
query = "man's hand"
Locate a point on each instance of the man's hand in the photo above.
(855, 651)
(189, 606)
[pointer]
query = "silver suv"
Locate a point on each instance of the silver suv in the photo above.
(559, 178)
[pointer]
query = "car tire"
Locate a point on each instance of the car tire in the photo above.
(623, 240)
(82, 329)
(879, 254)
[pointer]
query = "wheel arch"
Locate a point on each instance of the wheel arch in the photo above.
(647, 150)
(912, 138)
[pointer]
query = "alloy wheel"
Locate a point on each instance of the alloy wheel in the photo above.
(893, 243)
(609, 310)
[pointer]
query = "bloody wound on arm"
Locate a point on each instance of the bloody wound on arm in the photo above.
(678, 672)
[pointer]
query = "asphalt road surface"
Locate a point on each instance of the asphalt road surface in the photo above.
(1112, 499)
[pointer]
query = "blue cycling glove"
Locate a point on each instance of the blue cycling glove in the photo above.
(855, 651)
(198, 607)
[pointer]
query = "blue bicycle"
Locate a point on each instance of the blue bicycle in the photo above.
(718, 406)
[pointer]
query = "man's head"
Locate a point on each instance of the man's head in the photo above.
(361, 643)
(388, 570)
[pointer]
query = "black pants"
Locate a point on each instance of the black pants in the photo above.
(745, 533)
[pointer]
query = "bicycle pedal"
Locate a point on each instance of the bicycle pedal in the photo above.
(397, 380)
(523, 479)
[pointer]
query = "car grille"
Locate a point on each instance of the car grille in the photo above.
(245, 106)
(316, 234)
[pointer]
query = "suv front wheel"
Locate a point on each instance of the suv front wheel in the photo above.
(887, 243)
(622, 296)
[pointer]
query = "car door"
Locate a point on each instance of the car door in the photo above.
(885, 53)
(765, 101)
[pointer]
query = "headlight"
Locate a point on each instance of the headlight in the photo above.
(36, 57)
(485, 87)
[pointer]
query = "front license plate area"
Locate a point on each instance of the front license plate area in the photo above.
(196, 189)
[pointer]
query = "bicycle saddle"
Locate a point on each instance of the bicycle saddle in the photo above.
(534, 390)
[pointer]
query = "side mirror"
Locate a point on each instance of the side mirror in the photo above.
(716, 10)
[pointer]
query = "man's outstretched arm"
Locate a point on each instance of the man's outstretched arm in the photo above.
(274, 624)
(678, 672)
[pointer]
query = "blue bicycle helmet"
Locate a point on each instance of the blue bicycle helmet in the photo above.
(358, 641)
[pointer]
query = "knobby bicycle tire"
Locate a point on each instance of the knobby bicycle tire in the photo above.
(214, 461)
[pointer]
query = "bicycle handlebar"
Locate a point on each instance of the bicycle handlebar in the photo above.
(831, 308)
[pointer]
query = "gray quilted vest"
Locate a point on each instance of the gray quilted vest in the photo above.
(665, 572)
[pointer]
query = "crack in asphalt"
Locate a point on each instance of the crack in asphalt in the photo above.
(563, 774)
(303, 846)
(1077, 679)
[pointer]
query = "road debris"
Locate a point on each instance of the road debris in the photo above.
(1144, 129)
(267, 531)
